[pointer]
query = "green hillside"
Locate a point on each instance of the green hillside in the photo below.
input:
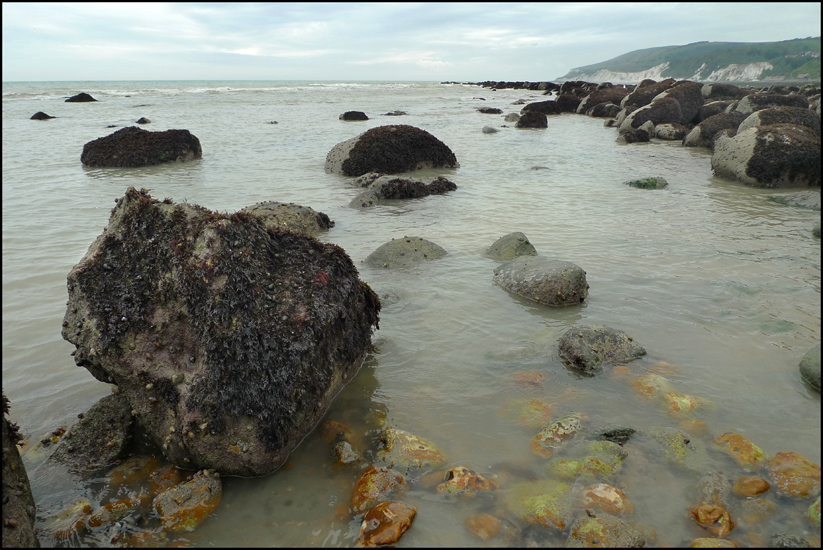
(684, 61)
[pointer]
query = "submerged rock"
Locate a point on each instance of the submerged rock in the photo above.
(544, 502)
(744, 452)
(543, 280)
(389, 149)
(509, 247)
(99, 439)
(810, 365)
(18, 502)
(712, 518)
(588, 348)
(185, 506)
(606, 531)
(749, 486)
(530, 413)
(462, 482)
(40, 115)
(681, 450)
(586, 461)
(384, 524)
(606, 497)
(375, 485)
(406, 451)
(389, 187)
(483, 526)
(794, 475)
(404, 253)
(353, 115)
(555, 434)
(648, 183)
(302, 219)
(229, 340)
(134, 147)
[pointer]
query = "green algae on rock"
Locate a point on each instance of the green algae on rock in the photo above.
(588, 461)
(604, 530)
(406, 451)
(543, 502)
(374, 485)
(185, 506)
(229, 339)
(680, 449)
(556, 433)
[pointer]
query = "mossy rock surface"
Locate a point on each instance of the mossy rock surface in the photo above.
(606, 531)
(544, 502)
(681, 450)
(134, 147)
(229, 339)
(648, 183)
(404, 451)
(390, 149)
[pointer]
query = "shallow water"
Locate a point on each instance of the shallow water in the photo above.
(707, 274)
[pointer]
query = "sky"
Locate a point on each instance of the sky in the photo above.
(464, 42)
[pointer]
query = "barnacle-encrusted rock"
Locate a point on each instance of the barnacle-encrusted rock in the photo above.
(229, 339)
(405, 252)
(133, 146)
(588, 348)
(390, 149)
(704, 133)
(99, 439)
(543, 280)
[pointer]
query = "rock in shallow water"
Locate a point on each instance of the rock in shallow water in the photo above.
(228, 339)
(133, 147)
(404, 253)
(511, 246)
(543, 280)
(810, 366)
(588, 348)
(384, 524)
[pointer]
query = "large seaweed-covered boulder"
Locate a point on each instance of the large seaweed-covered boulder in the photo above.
(704, 133)
(532, 119)
(777, 155)
(688, 96)
(390, 149)
(605, 95)
(294, 217)
(644, 94)
(660, 111)
(229, 339)
(543, 280)
(545, 107)
(133, 146)
(782, 115)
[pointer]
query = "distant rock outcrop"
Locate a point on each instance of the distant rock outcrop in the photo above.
(82, 97)
(228, 339)
(40, 115)
(389, 149)
(354, 115)
(133, 147)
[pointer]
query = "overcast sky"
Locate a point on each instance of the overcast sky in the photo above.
(353, 41)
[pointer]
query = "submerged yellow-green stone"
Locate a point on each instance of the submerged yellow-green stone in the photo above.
(596, 460)
(404, 451)
(543, 502)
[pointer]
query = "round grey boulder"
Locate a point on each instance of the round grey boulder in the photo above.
(404, 252)
(810, 367)
(490, 130)
(588, 348)
(543, 280)
(509, 247)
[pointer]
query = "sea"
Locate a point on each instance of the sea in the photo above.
(719, 284)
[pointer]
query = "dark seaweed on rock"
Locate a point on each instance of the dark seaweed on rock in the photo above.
(133, 146)
(257, 301)
(771, 159)
(399, 188)
(397, 148)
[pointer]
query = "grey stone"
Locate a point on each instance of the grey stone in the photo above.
(99, 439)
(510, 246)
(292, 217)
(588, 348)
(801, 199)
(810, 367)
(670, 131)
(404, 253)
(543, 280)
(490, 130)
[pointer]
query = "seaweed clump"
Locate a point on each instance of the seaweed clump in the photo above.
(397, 148)
(133, 146)
(786, 154)
(210, 320)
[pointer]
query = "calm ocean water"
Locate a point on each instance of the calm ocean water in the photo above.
(708, 275)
